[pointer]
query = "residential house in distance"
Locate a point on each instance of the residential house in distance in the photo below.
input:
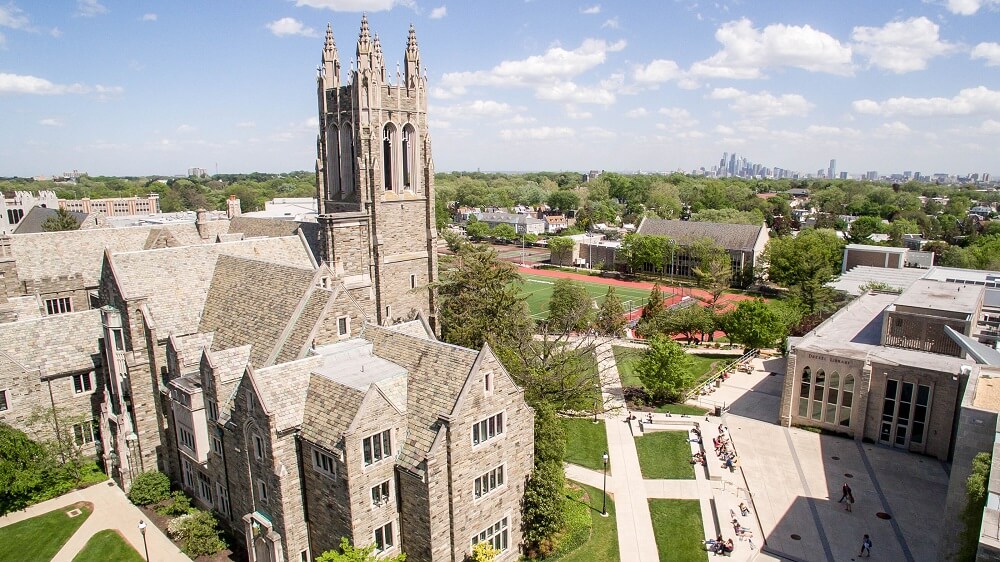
(523, 224)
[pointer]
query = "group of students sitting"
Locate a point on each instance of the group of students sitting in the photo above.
(722, 450)
(718, 546)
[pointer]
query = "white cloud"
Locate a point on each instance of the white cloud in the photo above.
(439, 12)
(637, 112)
(987, 51)
(970, 101)
(13, 17)
(355, 5)
(599, 133)
(901, 46)
(536, 133)
(55, 32)
(595, 9)
(747, 51)
(488, 108)
(51, 122)
(27, 84)
(989, 127)
(893, 129)
(90, 8)
(2, 39)
(185, 129)
(831, 131)
(246, 124)
(566, 91)
(573, 113)
(969, 7)
(290, 26)
(659, 70)
(762, 105)
(148, 17)
(724, 130)
(678, 115)
(612, 23)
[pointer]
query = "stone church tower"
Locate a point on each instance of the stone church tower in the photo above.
(375, 177)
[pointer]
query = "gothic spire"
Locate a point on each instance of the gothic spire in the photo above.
(364, 39)
(412, 69)
(331, 62)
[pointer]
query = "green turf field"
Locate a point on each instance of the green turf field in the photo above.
(538, 289)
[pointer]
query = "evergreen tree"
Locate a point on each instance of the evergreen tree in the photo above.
(60, 221)
(611, 319)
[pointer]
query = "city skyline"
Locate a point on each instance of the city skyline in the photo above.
(116, 89)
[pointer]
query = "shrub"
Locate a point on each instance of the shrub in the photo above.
(179, 504)
(543, 508)
(149, 487)
(976, 487)
(197, 532)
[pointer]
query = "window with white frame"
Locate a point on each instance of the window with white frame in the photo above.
(85, 433)
(487, 429)
(258, 447)
(488, 482)
(4, 400)
(323, 463)
(60, 305)
(262, 490)
(496, 534)
(380, 494)
(384, 538)
(343, 325)
(377, 447)
(83, 382)
(185, 437)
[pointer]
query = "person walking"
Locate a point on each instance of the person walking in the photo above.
(850, 502)
(866, 546)
(846, 492)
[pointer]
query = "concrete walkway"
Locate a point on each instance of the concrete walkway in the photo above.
(112, 510)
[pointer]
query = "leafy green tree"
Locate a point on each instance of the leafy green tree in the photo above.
(690, 320)
(640, 252)
(863, 227)
(754, 325)
(611, 319)
(665, 369)
(805, 264)
(481, 301)
(504, 231)
(477, 230)
(543, 500)
(198, 533)
(714, 270)
(564, 200)
(60, 221)
(351, 553)
(730, 216)
(149, 488)
(570, 307)
(561, 249)
(654, 306)
(976, 486)
(25, 469)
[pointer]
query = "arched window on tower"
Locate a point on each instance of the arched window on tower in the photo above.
(804, 392)
(409, 158)
(846, 401)
(818, 387)
(389, 157)
(831, 398)
(348, 157)
(333, 160)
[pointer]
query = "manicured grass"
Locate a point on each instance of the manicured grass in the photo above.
(602, 542)
(41, 537)
(538, 290)
(626, 359)
(665, 455)
(682, 409)
(108, 545)
(586, 442)
(678, 530)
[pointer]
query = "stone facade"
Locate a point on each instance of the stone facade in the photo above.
(375, 177)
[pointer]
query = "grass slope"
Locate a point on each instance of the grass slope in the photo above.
(627, 357)
(586, 442)
(665, 455)
(108, 545)
(678, 530)
(39, 539)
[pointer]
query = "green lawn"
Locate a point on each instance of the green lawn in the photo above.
(586, 442)
(600, 543)
(665, 455)
(108, 545)
(41, 537)
(677, 527)
(538, 290)
(703, 365)
(682, 409)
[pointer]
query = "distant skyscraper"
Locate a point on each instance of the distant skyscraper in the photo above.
(832, 173)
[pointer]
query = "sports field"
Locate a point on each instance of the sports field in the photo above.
(538, 289)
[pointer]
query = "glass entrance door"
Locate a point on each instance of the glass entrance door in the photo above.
(901, 423)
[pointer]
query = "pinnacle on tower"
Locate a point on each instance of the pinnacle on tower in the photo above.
(412, 69)
(331, 62)
(364, 38)
(411, 41)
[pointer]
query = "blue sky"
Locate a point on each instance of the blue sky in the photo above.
(123, 88)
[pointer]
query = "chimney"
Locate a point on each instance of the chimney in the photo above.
(201, 223)
(233, 207)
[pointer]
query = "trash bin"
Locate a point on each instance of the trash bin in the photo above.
(718, 383)
(718, 411)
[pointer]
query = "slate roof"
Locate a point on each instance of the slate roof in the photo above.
(255, 302)
(252, 227)
(740, 237)
(283, 389)
(32, 222)
(189, 348)
(416, 328)
(175, 281)
(229, 364)
(437, 373)
(56, 344)
(329, 409)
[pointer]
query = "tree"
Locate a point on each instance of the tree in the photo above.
(641, 252)
(477, 229)
(483, 552)
(561, 249)
(543, 500)
(691, 321)
(654, 306)
(570, 307)
(60, 221)
(805, 264)
(564, 200)
(351, 553)
(504, 231)
(149, 488)
(25, 469)
(754, 325)
(611, 319)
(863, 227)
(480, 300)
(665, 369)
(976, 487)
(714, 270)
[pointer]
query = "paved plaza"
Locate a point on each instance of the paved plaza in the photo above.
(791, 479)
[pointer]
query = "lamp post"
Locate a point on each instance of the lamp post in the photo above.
(142, 531)
(604, 505)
